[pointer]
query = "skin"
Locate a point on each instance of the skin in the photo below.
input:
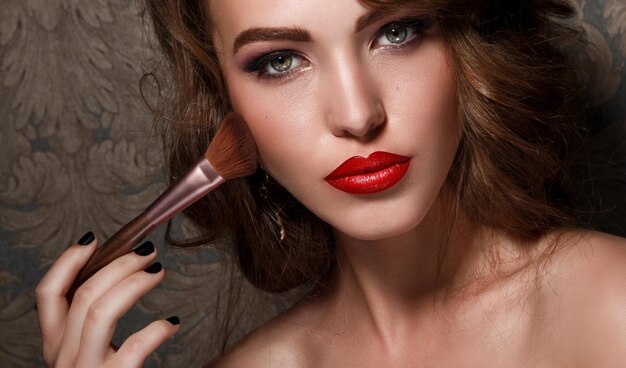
(79, 335)
(347, 98)
(349, 93)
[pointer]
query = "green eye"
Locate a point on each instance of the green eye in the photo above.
(402, 32)
(276, 64)
(396, 33)
(281, 63)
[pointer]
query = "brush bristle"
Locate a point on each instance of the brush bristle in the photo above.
(233, 152)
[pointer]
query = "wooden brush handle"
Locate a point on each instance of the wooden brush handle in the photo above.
(119, 244)
(195, 184)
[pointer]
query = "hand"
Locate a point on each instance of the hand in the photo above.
(79, 335)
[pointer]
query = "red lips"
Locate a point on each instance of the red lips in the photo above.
(360, 175)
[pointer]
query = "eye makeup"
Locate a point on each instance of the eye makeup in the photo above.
(280, 64)
(286, 60)
(402, 33)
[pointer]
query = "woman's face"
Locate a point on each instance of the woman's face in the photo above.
(322, 82)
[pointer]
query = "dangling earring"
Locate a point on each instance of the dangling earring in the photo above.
(264, 192)
(263, 189)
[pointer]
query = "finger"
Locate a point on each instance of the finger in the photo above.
(93, 289)
(102, 317)
(136, 349)
(52, 306)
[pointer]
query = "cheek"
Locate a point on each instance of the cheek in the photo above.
(281, 141)
(422, 99)
(282, 121)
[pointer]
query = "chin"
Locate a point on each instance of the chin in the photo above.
(380, 227)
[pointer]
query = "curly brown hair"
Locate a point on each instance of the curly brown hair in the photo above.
(516, 95)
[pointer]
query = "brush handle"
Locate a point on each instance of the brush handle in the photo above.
(119, 244)
(195, 184)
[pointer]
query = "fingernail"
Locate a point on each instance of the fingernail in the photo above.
(173, 320)
(154, 268)
(86, 239)
(145, 248)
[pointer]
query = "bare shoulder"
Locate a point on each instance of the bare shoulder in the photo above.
(284, 342)
(591, 251)
(590, 258)
(588, 278)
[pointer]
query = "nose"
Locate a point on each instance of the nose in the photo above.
(353, 104)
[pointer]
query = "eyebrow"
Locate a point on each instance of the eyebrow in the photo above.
(369, 18)
(270, 34)
(260, 34)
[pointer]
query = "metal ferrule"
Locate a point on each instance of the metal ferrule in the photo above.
(195, 184)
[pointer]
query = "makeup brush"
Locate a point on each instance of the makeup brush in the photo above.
(231, 154)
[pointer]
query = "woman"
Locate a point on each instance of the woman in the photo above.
(412, 166)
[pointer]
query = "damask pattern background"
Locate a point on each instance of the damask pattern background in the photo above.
(78, 152)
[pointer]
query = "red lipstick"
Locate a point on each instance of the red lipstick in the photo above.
(378, 172)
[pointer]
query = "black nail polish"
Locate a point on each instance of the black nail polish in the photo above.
(145, 248)
(86, 239)
(154, 268)
(173, 320)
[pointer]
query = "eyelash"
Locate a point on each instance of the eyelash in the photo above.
(260, 64)
(257, 65)
(420, 25)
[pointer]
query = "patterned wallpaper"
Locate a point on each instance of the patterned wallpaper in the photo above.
(78, 152)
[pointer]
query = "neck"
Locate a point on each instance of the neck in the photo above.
(395, 282)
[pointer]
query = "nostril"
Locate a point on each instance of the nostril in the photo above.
(368, 134)
(374, 132)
